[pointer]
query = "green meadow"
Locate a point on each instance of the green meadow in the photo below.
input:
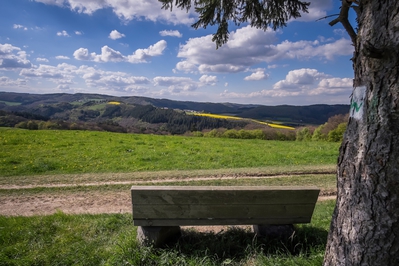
(39, 158)
(37, 152)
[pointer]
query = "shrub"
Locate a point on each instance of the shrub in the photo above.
(337, 134)
(318, 133)
(231, 134)
(303, 134)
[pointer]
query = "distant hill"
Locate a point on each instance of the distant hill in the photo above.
(83, 107)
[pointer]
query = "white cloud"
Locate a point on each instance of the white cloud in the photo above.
(317, 9)
(17, 26)
(7, 82)
(78, 32)
(173, 33)
(39, 59)
(303, 82)
(110, 55)
(176, 84)
(299, 79)
(127, 10)
(62, 57)
(249, 46)
(82, 54)
(143, 55)
(62, 73)
(114, 35)
(12, 57)
(64, 88)
(109, 80)
(184, 85)
(333, 86)
(63, 33)
(208, 80)
(258, 75)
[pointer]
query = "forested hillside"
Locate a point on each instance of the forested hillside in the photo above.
(147, 115)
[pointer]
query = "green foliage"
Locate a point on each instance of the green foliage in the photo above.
(110, 239)
(259, 14)
(332, 131)
(337, 134)
(32, 152)
(303, 134)
(318, 133)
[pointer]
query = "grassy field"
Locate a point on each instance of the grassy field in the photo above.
(110, 239)
(24, 152)
(40, 158)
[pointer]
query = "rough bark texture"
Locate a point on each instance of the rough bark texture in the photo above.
(365, 224)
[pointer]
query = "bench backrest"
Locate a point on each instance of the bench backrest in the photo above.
(222, 205)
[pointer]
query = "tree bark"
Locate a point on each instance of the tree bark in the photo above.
(365, 224)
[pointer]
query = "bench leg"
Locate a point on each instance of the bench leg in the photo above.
(157, 236)
(274, 230)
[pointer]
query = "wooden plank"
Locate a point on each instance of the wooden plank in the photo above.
(186, 211)
(222, 205)
(228, 195)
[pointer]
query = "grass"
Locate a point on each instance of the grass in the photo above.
(24, 152)
(39, 158)
(110, 239)
(326, 183)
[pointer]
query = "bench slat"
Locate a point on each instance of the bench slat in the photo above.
(232, 205)
(230, 195)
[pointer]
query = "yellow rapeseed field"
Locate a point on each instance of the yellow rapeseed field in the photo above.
(115, 103)
(239, 118)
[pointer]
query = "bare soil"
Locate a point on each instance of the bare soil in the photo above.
(92, 202)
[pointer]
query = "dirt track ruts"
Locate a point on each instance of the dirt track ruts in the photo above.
(92, 202)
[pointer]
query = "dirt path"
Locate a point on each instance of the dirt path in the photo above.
(91, 202)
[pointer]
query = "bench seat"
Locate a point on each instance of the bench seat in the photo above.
(222, 205)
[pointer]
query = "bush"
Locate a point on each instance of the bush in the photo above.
(318, 133)
(231, 134)
(303, 134)
(337, 134)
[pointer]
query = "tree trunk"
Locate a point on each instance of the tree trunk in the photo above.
(365, 224)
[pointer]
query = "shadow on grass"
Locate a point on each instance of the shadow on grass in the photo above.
(238, 244)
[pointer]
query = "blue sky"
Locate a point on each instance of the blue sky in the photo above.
(133, 48)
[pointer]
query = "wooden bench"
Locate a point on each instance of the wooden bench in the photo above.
(159, 211)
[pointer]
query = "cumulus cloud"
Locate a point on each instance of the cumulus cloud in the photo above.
(63, 33)
(110, 55)
(62, 73)
(114, 35)
(78, 32)
(62, 57)
(107, 55)
(299, 79)
(127, 10)
(12, 57)
(39, 59)
(317, 9)
(333, 86)
(208, 80)
(173, 33)
(249, 46)
(143, 55)
(18, 26)
(258, 75)
(7, 82)
(300, 82)
(176, 85)
(110, 80)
